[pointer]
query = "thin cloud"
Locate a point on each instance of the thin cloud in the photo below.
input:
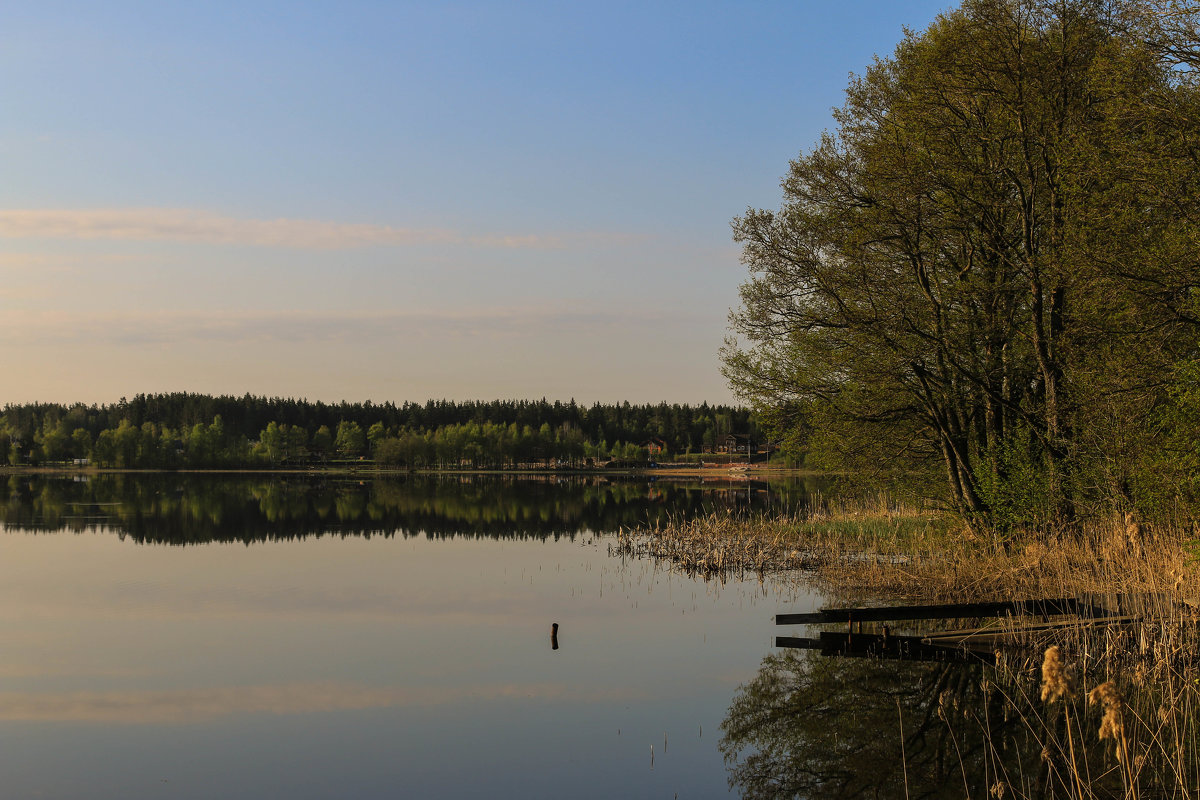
(27, 262)
(559, 241)
(43, 264)
(150, 328)
(205, 227)
(187, 225)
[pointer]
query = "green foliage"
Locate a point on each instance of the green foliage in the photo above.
(989, 267)
(176, 431)
(1167, 480)
(1015, 488)
(350, 441)
(322, 442)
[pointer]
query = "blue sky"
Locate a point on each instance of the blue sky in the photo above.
(398, 201)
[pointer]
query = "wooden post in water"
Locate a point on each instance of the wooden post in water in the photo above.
(554, 636)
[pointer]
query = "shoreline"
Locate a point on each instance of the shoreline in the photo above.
(739, 472)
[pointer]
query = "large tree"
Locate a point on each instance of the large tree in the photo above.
(932, 291)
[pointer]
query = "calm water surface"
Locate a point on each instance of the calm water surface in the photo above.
(168, 636)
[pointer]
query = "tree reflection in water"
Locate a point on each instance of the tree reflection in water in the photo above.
(183, 508)
(809, 726)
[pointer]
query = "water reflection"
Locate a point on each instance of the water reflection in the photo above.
(813, 726)
(298, 665)
(204, 704)
(183, 509)
(808, 726)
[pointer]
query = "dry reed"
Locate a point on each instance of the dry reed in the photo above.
(1057, 681)
(1140, 667)
(889, 552)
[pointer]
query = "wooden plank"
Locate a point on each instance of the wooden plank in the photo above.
(894, 648)
(798, 642)
(1011, 631)
(1049, 607)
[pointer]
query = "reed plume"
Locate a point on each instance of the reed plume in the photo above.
(1057, 680)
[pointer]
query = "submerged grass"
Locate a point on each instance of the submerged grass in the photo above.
(890, 552)
(1113, 704)
(723, 546)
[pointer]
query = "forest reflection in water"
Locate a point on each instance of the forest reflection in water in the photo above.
(813, 726)
(179, 508)
(810, 726)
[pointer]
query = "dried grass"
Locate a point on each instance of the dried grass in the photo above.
(1141, 673)
(892, 553)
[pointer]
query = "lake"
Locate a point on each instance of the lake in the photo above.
(252, 636)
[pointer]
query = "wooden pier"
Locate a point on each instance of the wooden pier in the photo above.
(1009, 621)
(1036, 608)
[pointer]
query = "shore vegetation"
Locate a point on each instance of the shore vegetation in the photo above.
(983, 282)
(980, 289)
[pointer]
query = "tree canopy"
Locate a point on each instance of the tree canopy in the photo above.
(988, 271)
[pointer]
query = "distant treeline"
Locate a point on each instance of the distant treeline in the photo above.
(195, 430)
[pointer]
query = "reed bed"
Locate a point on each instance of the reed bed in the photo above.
(873, 548)
(1113, 703)
(1103, 731)
(865, 533)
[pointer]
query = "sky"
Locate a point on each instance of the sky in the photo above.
(398, 201)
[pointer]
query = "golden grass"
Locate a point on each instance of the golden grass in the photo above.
(891, 552)
(723, 546)
(1114, 704)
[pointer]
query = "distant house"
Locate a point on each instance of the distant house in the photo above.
(740, 443)
(655, 446)
(733, 443)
